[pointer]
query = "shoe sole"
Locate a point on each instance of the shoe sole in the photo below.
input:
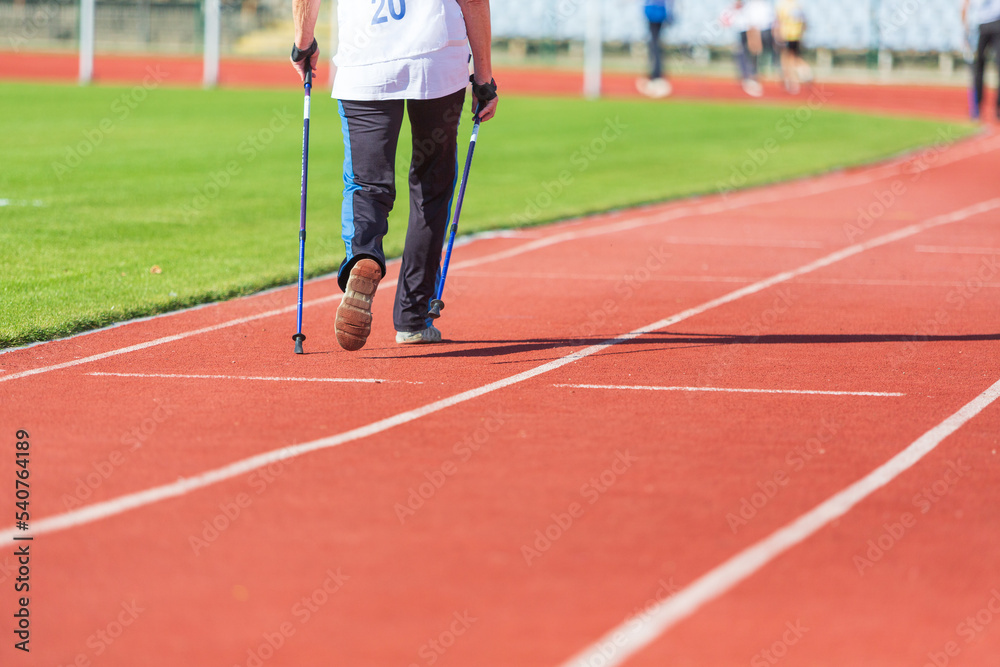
(354, 315)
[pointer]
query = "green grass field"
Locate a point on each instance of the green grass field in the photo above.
(99, 185)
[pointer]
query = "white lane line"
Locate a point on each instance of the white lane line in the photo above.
(253, 377)
(742, 243)
(891, 283)
(267, 294)
(162, 341)
(607, 278)
(954, 250)
(620, 643)
(464, 240)
(866, 282)
(734, 390)
(22, 202)
(184, 486)
(779, 193)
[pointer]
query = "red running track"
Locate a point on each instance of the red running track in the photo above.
(513, 495)
(914, 100)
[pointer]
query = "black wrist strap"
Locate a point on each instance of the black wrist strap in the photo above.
(484, 92)
(300, 55)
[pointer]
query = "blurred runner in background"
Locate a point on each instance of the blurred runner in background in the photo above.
(659, 13)
(791, 28)
(986, 15)
(747, 40)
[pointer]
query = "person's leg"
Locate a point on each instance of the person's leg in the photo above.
(655, 51)
(803, 72)
(993, 30)
(754, 47)
(979, 70)
(795, 66)
(433, 171)
(788, 67)
(768, 50)
(743, 57)
(371, 132)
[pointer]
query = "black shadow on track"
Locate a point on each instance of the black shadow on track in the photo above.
(499, 348)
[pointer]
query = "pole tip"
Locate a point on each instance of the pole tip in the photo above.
(434, 311)
(298, 338)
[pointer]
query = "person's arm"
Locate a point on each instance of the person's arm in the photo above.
(477, 25)
(965, 13)
(304, 15)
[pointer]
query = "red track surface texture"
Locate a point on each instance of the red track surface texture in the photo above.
(909, 99)
(202, 496)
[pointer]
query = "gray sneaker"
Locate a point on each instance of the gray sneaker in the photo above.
(429, 335)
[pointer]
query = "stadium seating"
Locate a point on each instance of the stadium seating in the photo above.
(899, 25)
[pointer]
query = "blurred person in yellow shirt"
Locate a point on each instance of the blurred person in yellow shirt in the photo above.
(791, 28)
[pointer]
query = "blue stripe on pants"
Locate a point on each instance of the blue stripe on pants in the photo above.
(350, 187)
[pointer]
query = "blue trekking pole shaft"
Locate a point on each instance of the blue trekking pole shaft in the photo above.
(299, 337)
(970, 60)
(436, 304)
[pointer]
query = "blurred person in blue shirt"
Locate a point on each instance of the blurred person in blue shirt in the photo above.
(659, 13)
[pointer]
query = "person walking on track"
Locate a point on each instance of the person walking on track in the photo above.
(987, 17)
(735, 18)
(791, 24)
(658, 13)
(395, 56)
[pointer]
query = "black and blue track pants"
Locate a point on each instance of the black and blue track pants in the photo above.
(371, 134)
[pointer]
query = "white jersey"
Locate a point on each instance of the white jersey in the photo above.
(759, 14)
(400, 49)
(735, 19)
(986, 11)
